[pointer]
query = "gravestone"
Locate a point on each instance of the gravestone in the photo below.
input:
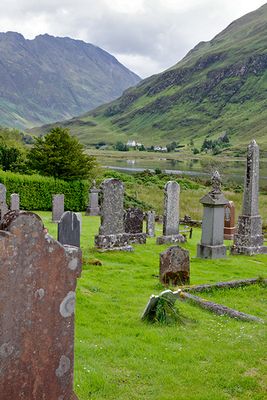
(93, 206)
(229, 220)
(14, 202)
(69, 229)
(248, 238)
(112, 234)
(211, 245)
(3, 204)
(57, 207)
(150, 223)
(174, 266)
(133, 224)
(37, 298)
(171, 215)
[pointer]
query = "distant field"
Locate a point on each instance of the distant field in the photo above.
(118, 357)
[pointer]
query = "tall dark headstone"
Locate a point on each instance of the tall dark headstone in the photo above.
(249, 238)
(3, 204)
(37, 299)
(57, 207)
(69, 229)
(211, 245)
(133, 223)
(93, 206)
(171, 215)
(112, 234)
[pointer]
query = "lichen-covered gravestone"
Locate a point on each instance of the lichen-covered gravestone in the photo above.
(3, 205)
(171, 215)
(112, 234)
(175, 266)
(93, 206)
(133, 223)
(57, 207)
(248, 238)
(211, 245)
(229, 220)
(69, 229)
(37, 297)
(150, 223)
(14, 202)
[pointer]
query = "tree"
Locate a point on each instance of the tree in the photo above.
(60, 155)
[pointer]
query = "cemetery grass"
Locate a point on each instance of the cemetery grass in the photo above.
(117, 356)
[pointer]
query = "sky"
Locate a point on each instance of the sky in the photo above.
(147, 36)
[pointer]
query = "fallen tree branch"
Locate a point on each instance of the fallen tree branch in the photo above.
(224, 285)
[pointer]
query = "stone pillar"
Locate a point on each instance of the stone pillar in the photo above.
(112, 234)
(93, 206)
(14, 202)
(171, 215)
(248, 238)
(211, 245)
(69, 229)
(57, 207)
(133, 224)
(37, 301)
(229, 221)
(150, 223)
(3, 205)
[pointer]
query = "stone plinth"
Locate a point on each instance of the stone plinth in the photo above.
(37, 299)
(175, 266)
(14, 202)
(93, 208)
(69, 229)
(229, 221)
(57, 207)
(248, 238)
(211, 245)
(150, 223)
(111, 232)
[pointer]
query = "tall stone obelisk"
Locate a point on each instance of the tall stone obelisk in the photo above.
(249, 238)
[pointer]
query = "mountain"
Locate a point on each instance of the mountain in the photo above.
(51, 78)
(220, 86)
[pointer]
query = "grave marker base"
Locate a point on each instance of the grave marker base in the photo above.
(207, 251)
(119, 241)
(171, 239)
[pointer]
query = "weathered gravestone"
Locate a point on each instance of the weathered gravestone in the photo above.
(150, 223)
(3, 205)
(93, 206)
(69, 229)
(133, 224)
(211, 245)
(229, 220)
(57, 207)
(14, 202)
(112, 234)
(175, 266)
(37, 298)
(248, 238)
(171, 215)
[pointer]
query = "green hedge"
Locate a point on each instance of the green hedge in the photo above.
(36, 191)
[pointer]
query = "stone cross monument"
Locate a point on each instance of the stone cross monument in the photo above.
(211, 245)
(93, 206)
(171, 215)
(249, 238)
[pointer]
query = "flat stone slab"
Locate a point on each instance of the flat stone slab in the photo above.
(138, 238)
(119, 241)
(171, 239)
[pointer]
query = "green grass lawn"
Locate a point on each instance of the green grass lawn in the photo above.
(117, 356)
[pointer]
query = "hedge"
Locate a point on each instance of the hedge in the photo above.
(36, 191)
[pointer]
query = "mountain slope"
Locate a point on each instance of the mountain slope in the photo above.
(51, 78)
(220, 86)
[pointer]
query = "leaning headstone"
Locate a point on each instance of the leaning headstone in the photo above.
(112, 234)
(211, 245)
(93, 206)
(133, 224)
(150, 223)
(69, 229)
(14, 202)
(37, 299)
(3, 204)
(174, 266)
(248, 238)
(229, 221)
(57, 207)
(171, 215)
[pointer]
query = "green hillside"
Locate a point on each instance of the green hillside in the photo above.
(220, 86)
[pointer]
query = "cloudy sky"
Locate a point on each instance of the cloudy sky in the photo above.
(147, 36)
